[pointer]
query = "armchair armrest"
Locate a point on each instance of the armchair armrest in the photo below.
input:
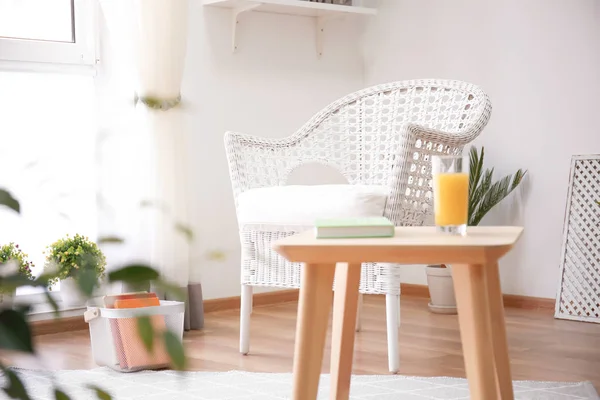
(256, 162)
(411, 197)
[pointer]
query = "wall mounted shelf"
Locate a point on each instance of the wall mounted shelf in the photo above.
(322, 13)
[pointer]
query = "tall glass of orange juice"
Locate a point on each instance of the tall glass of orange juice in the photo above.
(451, 193)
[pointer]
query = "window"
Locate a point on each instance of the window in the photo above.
(47, 135)
(47, 128)
(48, 31)
(37, 20)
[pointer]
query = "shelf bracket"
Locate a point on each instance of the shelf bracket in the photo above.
(235, 20)
(321, 21)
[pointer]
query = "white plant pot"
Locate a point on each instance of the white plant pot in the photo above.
(441, 290)
(70, 294)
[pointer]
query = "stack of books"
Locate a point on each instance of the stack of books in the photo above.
(131, 352)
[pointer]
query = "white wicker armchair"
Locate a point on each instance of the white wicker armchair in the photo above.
(384, 136)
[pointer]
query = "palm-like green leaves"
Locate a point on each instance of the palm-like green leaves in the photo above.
(484, 194)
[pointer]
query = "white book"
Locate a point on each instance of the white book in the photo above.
(361, 227)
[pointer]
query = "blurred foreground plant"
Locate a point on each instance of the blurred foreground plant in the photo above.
(15, 331)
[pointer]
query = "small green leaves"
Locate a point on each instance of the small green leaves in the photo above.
(60, 395)
(484, 194)
(146, 331)
(15, 388)
(70, 255)
(175, 349)
(7, 200)
(133, 273)
(14, 331)
(101, 394)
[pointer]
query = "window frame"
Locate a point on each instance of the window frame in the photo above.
(44, 55)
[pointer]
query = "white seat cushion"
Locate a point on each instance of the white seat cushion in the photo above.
(299, 205)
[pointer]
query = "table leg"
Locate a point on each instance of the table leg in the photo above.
(475, 329)
(345, 304)
(499, 342)
(314, 306)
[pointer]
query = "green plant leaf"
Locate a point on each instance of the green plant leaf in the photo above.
(496, 193)
(52, 303)
(216, 255)
(480, 191)
(154, 204)
(175, 292)
(475, 170)
(7, 200)
(110, 240)
(185, 230)
(60, 395)
(87, 281)
(146, 331)
(133, 273)
(175, 349)
(43, 280)
(146, 203)
(64, 216)
(100, 393)
(12, 282)
(31, 165)
(15, 388)
(14, 331)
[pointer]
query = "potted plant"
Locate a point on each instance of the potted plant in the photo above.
(69, 258)
(13, 260)
(484, 194)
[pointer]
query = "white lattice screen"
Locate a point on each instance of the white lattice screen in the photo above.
(579, 293)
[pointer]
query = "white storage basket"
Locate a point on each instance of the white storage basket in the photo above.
(115, 338)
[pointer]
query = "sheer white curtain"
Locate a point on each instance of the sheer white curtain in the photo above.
(154, 34)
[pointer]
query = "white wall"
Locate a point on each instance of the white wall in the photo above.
(270, 87)
(539, 61)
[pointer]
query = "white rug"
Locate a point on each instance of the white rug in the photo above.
(237, 385)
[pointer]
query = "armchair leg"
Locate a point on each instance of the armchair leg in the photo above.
(245, 311)
(392, 310)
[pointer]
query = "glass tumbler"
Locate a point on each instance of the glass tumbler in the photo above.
(451, 193)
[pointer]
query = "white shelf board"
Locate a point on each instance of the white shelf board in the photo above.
(293, 7)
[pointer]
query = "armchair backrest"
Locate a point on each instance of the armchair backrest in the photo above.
(382, 135)
(363, 134)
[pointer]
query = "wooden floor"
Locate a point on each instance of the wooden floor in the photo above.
(541, 348)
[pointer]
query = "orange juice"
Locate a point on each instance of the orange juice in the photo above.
(451, 198)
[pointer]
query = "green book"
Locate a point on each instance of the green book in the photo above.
(362, 227)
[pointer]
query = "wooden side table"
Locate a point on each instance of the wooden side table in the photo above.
(474, 260)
